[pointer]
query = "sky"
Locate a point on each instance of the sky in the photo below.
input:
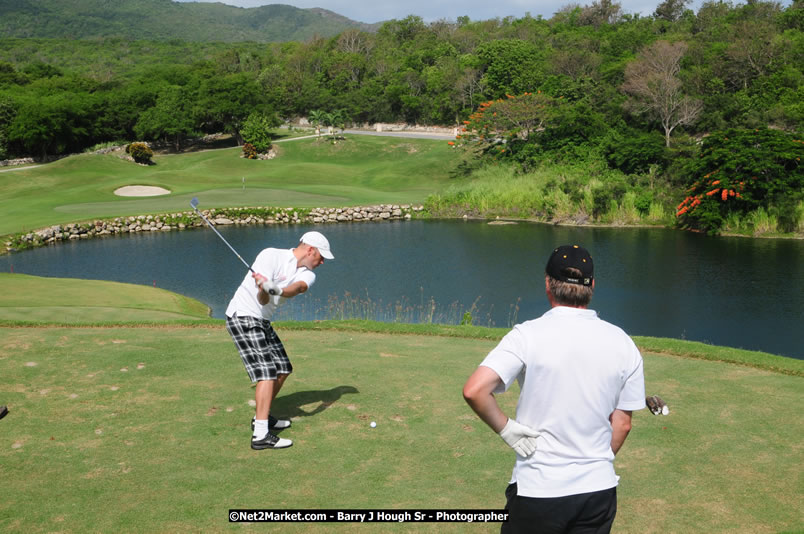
(431, 10)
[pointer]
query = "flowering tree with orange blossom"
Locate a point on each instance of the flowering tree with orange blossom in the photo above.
(739, 171)
(501, 128)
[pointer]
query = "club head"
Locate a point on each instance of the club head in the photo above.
(194, 202)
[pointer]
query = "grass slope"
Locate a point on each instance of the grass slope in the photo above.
(36, 299)
(308, 173)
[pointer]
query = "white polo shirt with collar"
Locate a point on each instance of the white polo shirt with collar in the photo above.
(278, 265)
(574, 370)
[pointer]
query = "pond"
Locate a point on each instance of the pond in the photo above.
(738, 292)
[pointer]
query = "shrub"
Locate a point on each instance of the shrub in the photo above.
(634, 153)
(249, 151)
(141, 152)
(256, 131)
(741, 171)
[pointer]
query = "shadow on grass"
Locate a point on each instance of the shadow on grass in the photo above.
(291, 405)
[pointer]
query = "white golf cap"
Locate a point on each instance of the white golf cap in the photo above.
(317, 240)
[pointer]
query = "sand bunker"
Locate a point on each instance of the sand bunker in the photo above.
(140, 191)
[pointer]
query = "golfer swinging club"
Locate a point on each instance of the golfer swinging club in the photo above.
(580, 378)
(277, 274)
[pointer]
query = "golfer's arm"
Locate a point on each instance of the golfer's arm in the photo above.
(620, 427)
(296, 288)
(478, 393)
(263, 297)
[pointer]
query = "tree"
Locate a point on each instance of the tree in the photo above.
(224, 102)
(317, 117)
(257, 130)
(336, 119)
(51, 124)
(171, 118)
(513, 66)
(740, 171)
(7, 113)
(600, 13)
(509, 128)
(670, 10)
(651, 81)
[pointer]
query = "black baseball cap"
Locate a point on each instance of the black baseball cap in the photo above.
(571, 256)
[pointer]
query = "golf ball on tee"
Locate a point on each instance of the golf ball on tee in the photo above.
(373, 424)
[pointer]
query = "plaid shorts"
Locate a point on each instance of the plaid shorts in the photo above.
(260, 348)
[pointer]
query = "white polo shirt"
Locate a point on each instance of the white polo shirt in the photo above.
(574, 369)
(279, 265)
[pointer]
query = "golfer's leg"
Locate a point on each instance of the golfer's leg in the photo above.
(263, 396)
(597, 513)
(536, 515)
(280, 381)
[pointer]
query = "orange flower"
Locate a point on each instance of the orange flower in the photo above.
(712, 192)
(732, 192)
(716, 182)
(725, 195)
(450, 143)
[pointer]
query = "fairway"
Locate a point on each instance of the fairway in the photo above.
(146, 429)
(362, 170)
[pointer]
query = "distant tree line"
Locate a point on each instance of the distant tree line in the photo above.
(639, 92)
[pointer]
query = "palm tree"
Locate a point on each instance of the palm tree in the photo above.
(337, 119)
(316, 118)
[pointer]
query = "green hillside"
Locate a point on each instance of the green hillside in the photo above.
(167, 20)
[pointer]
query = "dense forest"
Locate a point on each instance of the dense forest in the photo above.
(163, 20)
(675, 100)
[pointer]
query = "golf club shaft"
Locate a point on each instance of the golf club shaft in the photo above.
(223, 239)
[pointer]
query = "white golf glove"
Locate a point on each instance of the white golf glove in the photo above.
(271, 288)
(521, 438)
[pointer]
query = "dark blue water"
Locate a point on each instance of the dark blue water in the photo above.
(746, 293)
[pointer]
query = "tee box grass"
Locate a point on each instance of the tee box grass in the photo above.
(145, 428)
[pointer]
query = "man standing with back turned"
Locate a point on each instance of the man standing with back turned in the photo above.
(580, 378)
(278, 274)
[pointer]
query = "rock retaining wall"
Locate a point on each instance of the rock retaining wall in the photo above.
(188, 219)
(20, 161)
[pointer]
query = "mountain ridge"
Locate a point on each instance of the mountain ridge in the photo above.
(165, 20)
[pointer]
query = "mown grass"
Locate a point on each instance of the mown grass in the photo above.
(35, 299)
(307, 173)
(145, 427)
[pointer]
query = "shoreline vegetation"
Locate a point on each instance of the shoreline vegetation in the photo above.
(558, 194)
(620, 216)
(370, 179)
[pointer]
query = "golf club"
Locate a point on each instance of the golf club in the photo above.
(194, 205)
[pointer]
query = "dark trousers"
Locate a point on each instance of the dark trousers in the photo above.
(585, 513)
